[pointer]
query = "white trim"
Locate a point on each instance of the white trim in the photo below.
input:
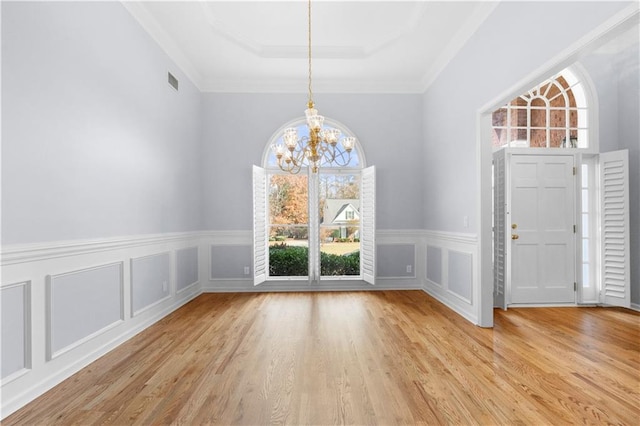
(635, 307)
(163, 40)
(228, 237)
(451, 237)
(246, 286)
(24, 253)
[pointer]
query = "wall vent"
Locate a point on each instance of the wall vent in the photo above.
(173, 81)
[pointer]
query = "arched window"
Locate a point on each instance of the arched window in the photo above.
(314, 225)
(552, 114)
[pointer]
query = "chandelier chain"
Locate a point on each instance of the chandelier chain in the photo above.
(323, 145)
(309, 39)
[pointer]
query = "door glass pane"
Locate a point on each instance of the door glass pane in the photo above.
(585, 250)
(585, 225)
(339, 224)
(586, 279)
(289, 229)
(585, 200)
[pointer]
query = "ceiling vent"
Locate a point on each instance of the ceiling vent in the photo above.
(173, 81)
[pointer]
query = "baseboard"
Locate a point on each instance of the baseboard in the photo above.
(246, 286)
(452, 302)
(635, 307)
(545, 305)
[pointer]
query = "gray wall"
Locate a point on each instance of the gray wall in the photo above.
(95, 143)
(615, 71)
(237, 128)
(629, 137)
(495, 59)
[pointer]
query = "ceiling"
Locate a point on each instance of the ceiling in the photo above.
(357, 46)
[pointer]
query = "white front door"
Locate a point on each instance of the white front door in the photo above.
(541, 222)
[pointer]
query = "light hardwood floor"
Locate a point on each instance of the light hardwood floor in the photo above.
(385, 357)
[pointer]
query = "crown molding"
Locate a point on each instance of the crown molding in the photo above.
(319, 86)
(163, 40)
(300, 51)
(400, 86)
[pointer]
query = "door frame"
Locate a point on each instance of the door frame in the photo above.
(606, 31)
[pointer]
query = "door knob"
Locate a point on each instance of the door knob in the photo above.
(514, 236)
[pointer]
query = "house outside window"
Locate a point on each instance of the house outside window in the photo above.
(553, 114)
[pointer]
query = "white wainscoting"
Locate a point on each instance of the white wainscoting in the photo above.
(195, 265)
(233, 279)
(56, 283)
(451, 271)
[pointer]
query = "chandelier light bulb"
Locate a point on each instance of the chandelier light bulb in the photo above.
(348, 143)
(290, 138)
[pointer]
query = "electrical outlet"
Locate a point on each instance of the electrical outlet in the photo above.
(465, 221)
(408, 269)
(246, 270)
(165, 286)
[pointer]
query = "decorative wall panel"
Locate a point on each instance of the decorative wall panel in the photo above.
(230, 261)
(186, 267)
(461, 274)
(15, 316)
(434, 264)
(81, 303)
(395, 260)
(150, 279)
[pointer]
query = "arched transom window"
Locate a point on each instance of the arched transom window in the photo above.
(552, 114)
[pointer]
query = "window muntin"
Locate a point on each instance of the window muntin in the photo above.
(553, 114)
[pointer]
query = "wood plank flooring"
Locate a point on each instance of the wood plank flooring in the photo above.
(384, 357)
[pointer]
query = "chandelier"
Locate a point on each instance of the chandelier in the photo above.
(323, 145)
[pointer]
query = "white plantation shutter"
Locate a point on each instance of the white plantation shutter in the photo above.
(499, 230)
(260, 232)
(368, 224)
(614, 226)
